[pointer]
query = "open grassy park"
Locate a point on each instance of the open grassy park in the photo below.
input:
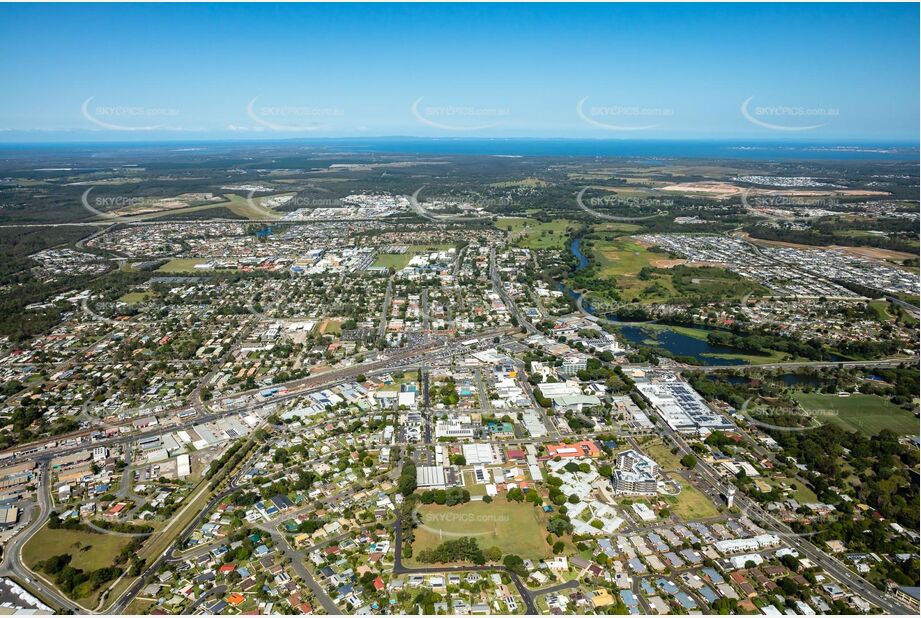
(182, 265)
(622, 256)
(690, 504)
(187, 266)
(89, 551)
(662, 454)
(868, 414)
(515, 528)
(533, 234)
(133, 298)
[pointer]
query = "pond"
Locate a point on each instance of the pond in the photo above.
(680, 344)
(671, 341)
(795, 379)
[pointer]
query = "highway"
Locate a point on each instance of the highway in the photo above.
(47, 449)
(883, 362)
(425, 214)
(602, 215)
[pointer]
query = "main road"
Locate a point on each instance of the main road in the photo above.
(12, 553)
(44, 450)
(509, 303)
(831, 565)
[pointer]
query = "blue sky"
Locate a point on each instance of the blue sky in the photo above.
(816, 72)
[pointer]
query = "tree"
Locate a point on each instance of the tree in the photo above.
(689, 461)
(407, 481)
(515, 564)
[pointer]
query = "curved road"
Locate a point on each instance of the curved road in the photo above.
(425, 214)
(12, 553)
(602, 215)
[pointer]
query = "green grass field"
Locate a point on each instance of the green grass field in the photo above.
(627, 228)
(395, 261)
(532, 234)
(89, 551)
(622, 259)
(801, 494)
(881, 308)
(865, 413)
(183, 265)
(516, 528)
(237, 204)
(408, 378)
(690, 504)
(472, 486)
(662, 455)
(133, 298)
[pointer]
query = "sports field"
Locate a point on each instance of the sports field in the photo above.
(183, 265)
(858, 412)
(515, 528)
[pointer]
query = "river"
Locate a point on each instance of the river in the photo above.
(637, 335)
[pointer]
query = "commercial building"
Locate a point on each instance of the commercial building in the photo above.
(480, 454)
(585, 448)
(680, 406)
(436, 477)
